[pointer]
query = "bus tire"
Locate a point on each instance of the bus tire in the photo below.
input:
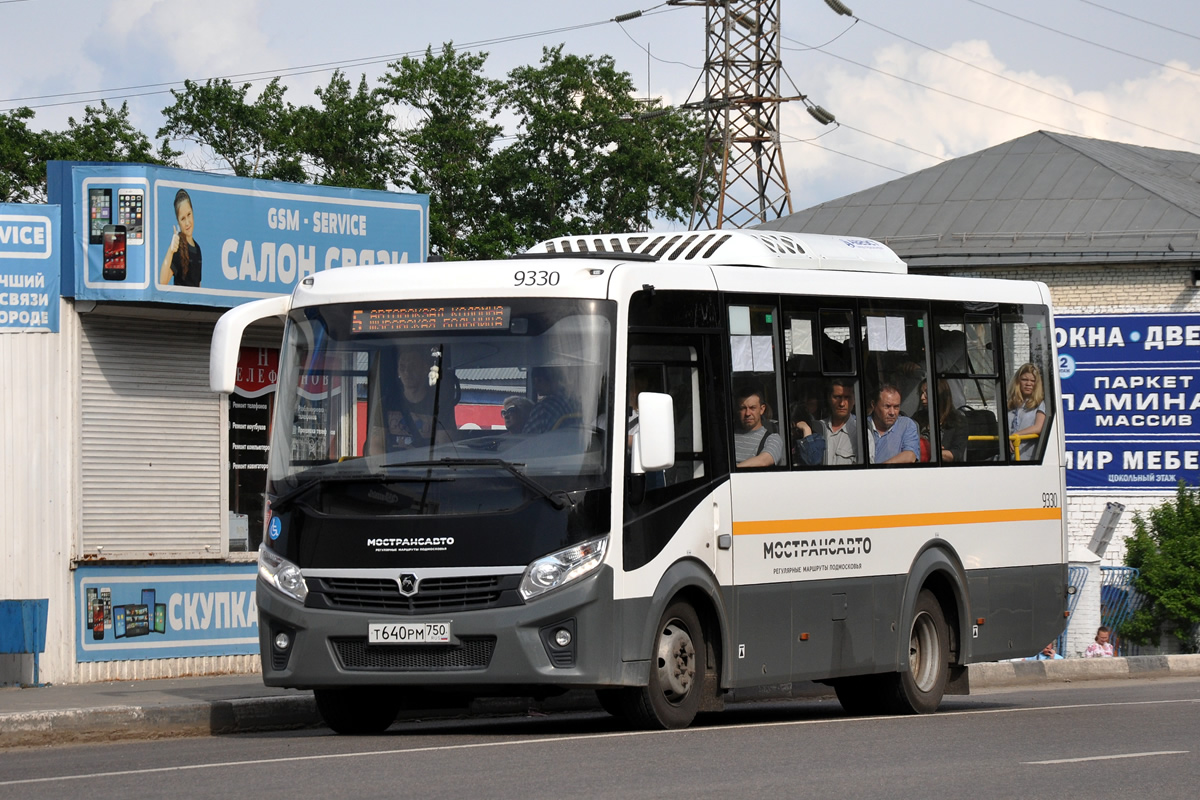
(861, 695)
(361, 711)
(919, 689)
(677, 668)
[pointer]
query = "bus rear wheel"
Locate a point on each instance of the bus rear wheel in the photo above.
(360, 711)
(919, 689)
(677, 668)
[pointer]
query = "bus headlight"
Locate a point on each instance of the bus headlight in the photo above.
(557, 569)
(281, 573)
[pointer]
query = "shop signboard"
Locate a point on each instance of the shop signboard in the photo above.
(1131, 400)
(157, 234)
(139, 612)
(29, 268)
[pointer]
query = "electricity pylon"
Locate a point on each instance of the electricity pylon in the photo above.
(742, 178)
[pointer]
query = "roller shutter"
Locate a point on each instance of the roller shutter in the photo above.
(153, 484)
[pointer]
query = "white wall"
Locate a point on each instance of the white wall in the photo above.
(38, 432)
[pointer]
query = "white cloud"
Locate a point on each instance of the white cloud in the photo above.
(939, 124)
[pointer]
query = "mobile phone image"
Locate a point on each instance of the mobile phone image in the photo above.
(148, 598)
(131, 204)
(160, 617)
(99, 213)
(97, 621)
(106, 605)
(114, 253)
(93, 603)
(118, 622)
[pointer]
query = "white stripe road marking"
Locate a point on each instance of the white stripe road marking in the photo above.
(556, 739)
(1109, 758)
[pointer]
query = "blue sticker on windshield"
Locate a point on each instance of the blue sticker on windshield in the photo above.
(275, 529)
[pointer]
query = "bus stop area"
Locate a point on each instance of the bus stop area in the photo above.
(205, 706)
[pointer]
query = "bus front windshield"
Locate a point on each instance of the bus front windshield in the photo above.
(446, 388)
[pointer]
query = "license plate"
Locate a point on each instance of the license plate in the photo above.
(408, 633)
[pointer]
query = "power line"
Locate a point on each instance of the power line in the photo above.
(839, 124)
(812, 143)
(1027, 86)
(1081, 39)
(255, 76)
(1143, 21)
(943, 92)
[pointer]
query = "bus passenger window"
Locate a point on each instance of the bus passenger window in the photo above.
(1027, 353)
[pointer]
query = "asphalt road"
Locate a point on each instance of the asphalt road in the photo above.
(1105, 739)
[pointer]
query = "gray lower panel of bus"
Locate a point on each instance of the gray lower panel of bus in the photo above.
(498, 647)
(784, 633)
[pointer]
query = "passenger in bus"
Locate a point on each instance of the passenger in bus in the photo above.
(1026, 410)
(408, 394)
(951, 424)
(893, 439)
(516, 413)
(841, 426)
(808, 445)
(554, 405)
(754, 445)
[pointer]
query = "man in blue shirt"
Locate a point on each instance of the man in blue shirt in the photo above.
(894, 439)
(1047, 654)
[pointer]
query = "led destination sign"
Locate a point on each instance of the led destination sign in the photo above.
(430, 318)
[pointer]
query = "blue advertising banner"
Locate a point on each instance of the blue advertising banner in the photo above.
(29, 268)
(130, 613)
(143, 233)
(1131, 400)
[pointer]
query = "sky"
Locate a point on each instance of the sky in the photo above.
(911, 82)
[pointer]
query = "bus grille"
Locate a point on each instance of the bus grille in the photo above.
(435, 595)
(474, 652)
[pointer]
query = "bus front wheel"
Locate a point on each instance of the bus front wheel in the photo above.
(359, 711)
(677, 668)
(919, 689)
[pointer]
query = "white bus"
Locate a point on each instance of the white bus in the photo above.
(521, 477)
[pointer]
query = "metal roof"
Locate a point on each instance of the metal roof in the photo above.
(1044, 198)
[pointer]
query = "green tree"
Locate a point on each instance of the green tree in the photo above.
(106, 134)
(253, 140)
(589, 157)
(350, 140)
(23, 154)
(449, 150)
(1165, 548)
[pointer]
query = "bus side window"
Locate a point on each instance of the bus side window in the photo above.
(758, 441)
(1030, 386)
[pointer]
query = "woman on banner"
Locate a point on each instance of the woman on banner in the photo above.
(183, 263)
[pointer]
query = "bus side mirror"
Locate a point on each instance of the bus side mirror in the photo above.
(654, 443)
(227, 338)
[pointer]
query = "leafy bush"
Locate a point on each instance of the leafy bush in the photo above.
(1165, 548)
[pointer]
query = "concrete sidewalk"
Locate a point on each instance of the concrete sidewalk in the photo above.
(206, 706)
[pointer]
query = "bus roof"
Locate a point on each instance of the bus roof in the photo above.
(775, 249)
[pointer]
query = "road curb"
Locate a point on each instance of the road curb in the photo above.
(299, 710)
(1024, 673)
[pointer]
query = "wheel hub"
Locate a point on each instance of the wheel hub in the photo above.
(676, 660)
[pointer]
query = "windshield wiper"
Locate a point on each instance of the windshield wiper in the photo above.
(359, 477)
(556, 497)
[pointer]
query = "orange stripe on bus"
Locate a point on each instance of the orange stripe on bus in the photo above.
(895, 521)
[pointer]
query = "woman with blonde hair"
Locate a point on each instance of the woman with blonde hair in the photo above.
(1026, 409)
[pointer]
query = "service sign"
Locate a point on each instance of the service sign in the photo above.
(130, 613)
(143, 233)
(1131, 400)
(29, 268)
